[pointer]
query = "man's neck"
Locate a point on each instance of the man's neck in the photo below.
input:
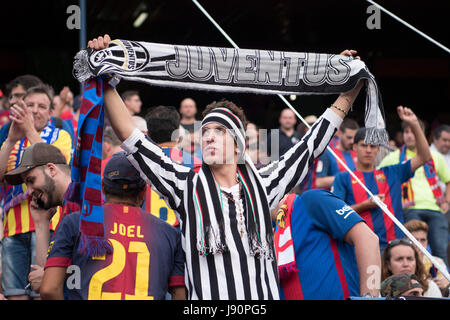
(65, 183)
(288, 132)
(190, 120)
(225, 174)
(341, 148)
(125, 202)
(364, 167)
(412, 148)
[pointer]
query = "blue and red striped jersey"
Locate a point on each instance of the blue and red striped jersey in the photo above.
(327, 268)
(147, 257)
(387, 181)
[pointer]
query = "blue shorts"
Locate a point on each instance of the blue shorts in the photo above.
(18, 253)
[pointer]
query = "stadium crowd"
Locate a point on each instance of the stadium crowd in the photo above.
(331, 239)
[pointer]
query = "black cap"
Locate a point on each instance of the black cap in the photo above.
(36, 155)
(120, 174)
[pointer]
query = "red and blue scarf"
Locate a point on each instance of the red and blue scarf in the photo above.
(430, 174)
(86, 170)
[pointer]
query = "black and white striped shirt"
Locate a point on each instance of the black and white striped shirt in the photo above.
(234, 274)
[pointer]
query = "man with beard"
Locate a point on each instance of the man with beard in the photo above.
(44, 170)
(30, 125)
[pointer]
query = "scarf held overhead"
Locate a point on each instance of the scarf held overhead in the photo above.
(236, 70)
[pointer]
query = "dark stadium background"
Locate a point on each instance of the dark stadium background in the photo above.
(409, 69)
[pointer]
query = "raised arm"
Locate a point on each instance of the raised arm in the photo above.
(283, 175)
(115, 109)
(423, 150)
(167, 178)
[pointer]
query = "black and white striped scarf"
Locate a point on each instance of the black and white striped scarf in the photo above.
(236, 70)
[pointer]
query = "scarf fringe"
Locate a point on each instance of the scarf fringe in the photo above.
(378, 136)
(93, 246)
(81, 70)
(285, 270)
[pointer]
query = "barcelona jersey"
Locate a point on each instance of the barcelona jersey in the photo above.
(326, 264)
(387, 181)
(147, 257)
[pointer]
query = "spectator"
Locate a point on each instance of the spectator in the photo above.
(130, 230)
(256, 145)
(422, 198)
(189, 127)
(334, 250)
(132, 101)
(206, 200)
(30, 125)
(111, 145)
(188, 111)
(162, 122)
(401, 285)
(419, 230)
(45, 172)
(285, 137)
(441, 144)
(385, 182)
(400, 257)
(17, 89)
(328, 167)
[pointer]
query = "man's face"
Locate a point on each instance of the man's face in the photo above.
(218, 145)
(409, 138)
(287, 119)
(39, 105)
(188, 108)
(402, 260)
(17, 93)
(365, 153)
(443, 143)
(134, 104)
(346, 140)
(421, 236)
(41, 187)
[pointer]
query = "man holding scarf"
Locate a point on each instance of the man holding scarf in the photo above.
(30, 124)
(224, 210)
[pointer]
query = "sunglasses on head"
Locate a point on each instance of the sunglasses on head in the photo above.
(399, 241)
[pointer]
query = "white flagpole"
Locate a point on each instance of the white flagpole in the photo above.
(380, 204)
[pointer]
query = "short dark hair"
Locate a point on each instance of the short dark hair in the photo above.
(162, 121)
(238, 111)
(44, 89)
(128, 94)
(348, 123)
(26, 81)
(123, 194)
(438, 131)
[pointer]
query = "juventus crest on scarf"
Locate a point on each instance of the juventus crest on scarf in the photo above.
(236, 70)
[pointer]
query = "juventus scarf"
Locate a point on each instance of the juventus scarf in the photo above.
(236, 70)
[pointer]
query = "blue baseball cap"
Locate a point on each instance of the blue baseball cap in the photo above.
(120, 174)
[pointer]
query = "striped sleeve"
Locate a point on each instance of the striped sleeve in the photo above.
(281, 176)
(168, 179)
